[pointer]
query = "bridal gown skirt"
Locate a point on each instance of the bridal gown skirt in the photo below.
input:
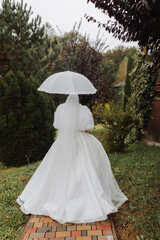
(83, 190)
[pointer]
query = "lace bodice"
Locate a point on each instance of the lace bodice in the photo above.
(85, 121)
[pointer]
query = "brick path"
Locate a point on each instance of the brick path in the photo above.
(45, 228)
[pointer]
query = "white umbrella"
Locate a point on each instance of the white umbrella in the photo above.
(67, 82)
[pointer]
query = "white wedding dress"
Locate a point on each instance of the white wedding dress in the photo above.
(76, 188)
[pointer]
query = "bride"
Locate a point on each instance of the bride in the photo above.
(74, 182)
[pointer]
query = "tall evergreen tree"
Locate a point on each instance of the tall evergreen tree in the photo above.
(24, 45)
(26, 117)
(127, 88)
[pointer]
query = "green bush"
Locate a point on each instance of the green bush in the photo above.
(119, 125)
(26, 116)
(142, 79)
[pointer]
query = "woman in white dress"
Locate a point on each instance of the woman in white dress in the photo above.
(74, 182)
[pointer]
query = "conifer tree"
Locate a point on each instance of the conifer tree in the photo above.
(127, 88)
(26, 117)
(24, 45)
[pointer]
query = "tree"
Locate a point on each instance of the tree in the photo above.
(133, 20)
(24, 45)
(127, 88)
(122, 71)
(77, 54)
(26, 117)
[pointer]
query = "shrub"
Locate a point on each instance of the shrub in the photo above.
(142, 79)
(26, 116)
(119, 125)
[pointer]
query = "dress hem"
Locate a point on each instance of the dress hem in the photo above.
(40, 212)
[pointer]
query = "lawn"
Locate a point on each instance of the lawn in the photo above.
(12, 182)
(137, 174)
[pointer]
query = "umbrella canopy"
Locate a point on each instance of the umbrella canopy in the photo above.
(67, 82)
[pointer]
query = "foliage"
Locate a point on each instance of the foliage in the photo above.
(97, 111)
(109, 76)
(142, 79)
(26, 117)
(122, 71)
(133, 21)
(127, 88)
(24, 45)
(119, 125)
(112, 61)
(78, 55)
(117, 54)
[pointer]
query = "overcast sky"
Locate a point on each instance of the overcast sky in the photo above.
(65, 13)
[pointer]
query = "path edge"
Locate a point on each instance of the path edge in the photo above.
(113, 228)
(25, 228)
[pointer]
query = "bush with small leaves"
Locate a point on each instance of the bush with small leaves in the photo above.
(26, 116)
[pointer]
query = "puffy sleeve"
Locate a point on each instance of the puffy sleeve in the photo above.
(86, 120)
(57, 116)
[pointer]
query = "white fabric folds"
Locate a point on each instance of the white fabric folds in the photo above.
(74, 182)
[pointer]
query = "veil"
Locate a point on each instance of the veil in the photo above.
(66, 144)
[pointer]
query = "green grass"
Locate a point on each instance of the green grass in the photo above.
(12, 182)
(137, 174)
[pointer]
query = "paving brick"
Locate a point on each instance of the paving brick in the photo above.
(94, 232)
(94, 238)
(31, 230)
(84, 238)
(38, 224)
(104, 227)
(50, 234)
(105, 238)
(71, 228)
(47, 219)
(52, 224)
(84, 233)
(60, 238)
(105, 222)
(30, 225)
(26, 235)
(110, 237)
(69, 238)
(61, 228)
(36, 235)
(76, 233)
(81, 227)
(107, 232)
(94, 227)
(53, 229)
(63, 234)
(34, 220)
(43, 229)
(42, 239)
(45, 224)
